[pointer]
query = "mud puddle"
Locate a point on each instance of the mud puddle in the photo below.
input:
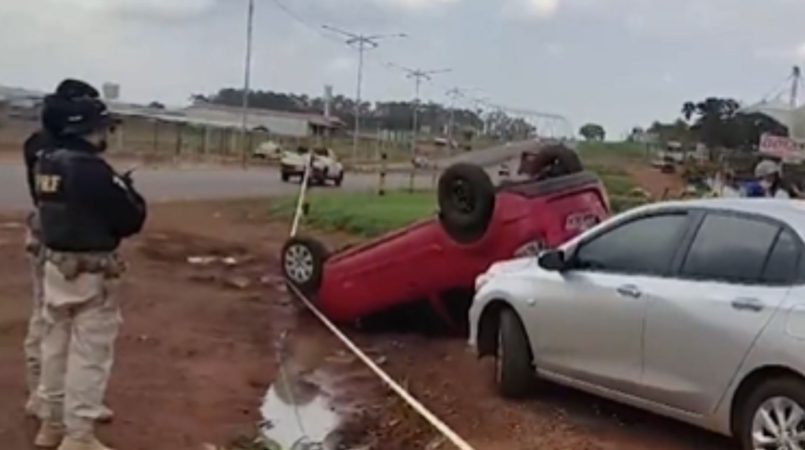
(298, 414)
(307, 407)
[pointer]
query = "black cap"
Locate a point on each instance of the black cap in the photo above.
(71, 88)
(75, 108)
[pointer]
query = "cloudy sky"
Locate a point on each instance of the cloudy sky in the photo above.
(616, 62)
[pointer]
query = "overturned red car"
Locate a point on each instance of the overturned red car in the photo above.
(477, 225)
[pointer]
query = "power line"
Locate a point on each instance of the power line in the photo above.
(361, 42)
(302, 21)
(418, 75)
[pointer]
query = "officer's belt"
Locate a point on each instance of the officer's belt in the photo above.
(72, 265)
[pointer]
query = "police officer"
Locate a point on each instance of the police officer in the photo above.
(86, 210)
(41, 142)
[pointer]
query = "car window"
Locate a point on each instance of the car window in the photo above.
(644, 246)
(781, 266)
(729, 248)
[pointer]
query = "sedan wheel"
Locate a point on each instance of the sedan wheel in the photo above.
(514, 370)
(779, 423)
(773, 416)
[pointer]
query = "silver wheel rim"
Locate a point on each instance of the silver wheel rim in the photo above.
(299, 263)
(779, 424)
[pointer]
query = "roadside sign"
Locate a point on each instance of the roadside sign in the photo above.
(787, 149)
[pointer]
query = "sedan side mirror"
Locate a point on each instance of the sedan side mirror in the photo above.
(553, 260)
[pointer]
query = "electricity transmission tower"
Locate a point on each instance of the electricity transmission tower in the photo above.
(362, 43)
(418, 75)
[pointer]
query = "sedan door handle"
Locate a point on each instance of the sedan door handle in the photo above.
(629, 290)
(747, 304)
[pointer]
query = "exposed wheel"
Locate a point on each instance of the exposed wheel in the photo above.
(551, 162)
(773, 416)
(303, 261)
(340, 180)
(466, 202)
(285, 176)
(514, 368)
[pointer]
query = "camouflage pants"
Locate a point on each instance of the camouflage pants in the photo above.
(83, 318)
(36, 323)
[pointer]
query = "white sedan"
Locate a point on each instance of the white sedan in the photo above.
(693, 310)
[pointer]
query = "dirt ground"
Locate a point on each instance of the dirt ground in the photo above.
(199, 349)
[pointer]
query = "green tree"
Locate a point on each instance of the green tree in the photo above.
(717, 122)
(592, 132)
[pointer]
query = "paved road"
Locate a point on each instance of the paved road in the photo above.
(187, 184)
(489, 158)
(170, 183)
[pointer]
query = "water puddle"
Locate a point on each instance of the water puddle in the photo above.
(297, 415)
(299, 411)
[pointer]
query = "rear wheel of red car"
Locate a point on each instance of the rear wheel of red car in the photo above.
(514, 369)
(303, 261)
(466, 202)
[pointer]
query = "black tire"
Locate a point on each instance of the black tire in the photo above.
(789, 387)
(303, 261)
(285, 177)
(340, 180)
(514, 368)
(466, 202)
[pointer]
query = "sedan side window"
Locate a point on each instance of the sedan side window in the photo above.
(730, 248)
(781, 267)
(644, 246)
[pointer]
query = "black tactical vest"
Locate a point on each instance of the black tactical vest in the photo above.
(68, 225)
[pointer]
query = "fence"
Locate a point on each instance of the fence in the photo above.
(161, 141)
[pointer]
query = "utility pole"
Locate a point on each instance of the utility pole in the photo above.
(246, 83)
(418, 75)
(362, 43)
(796, 78)
(453, 94)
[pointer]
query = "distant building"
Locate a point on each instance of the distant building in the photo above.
(275, 122)
(26, 104)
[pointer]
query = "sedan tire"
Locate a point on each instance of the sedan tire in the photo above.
(514, 369)
(773, 416)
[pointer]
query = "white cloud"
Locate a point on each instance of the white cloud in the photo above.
(164, 9)
(339, 64)
(416, 5)
(530, 9)
(543, 8)
(554, 49)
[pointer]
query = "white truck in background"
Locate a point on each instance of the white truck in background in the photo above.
(326, 166)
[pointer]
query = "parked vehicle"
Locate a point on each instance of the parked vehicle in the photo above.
(326, 166)
(476, 225)
(268, 150)
(694, 310)
(420, 161)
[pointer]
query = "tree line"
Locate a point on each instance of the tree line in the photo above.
(714, 121)
(383, 115)
(718, 122)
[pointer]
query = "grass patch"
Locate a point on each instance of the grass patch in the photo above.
(596, 151)
(368, 215)
(362, 214)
